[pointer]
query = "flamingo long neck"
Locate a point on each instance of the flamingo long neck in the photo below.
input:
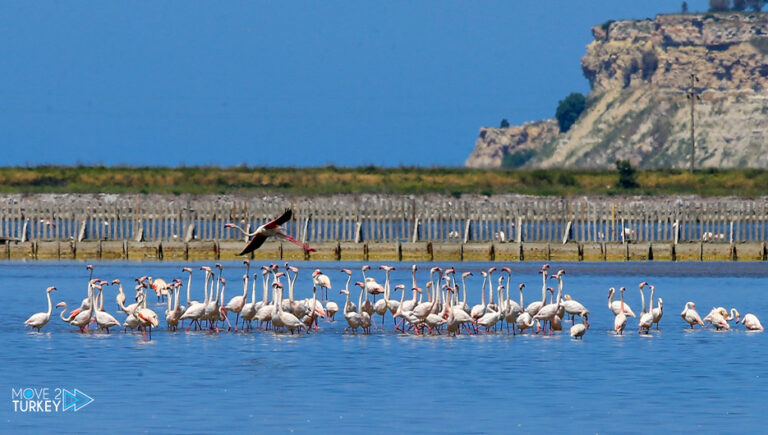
(650, 307)
(244, 231)
(50, 307)
(223, 288)
(622, 301)
(610, 297)
(218, 287)
(169, 305)
(346, 287)
(490, 288)
(544, 288)
(642, 300)
(176, 297)
(291, 282)
(206, 296)
(189, 286)
(278, 300)
(265, 284)
(521, 297)
(245, 286)
(360, 299)
(559, 289)
(413, 276)
(253, 288)
(346, 304)
(386, 285)
(63, 310)
(464, 289)
(482, 290)
(101, 300)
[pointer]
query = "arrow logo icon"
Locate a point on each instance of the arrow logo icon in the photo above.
(76, 400)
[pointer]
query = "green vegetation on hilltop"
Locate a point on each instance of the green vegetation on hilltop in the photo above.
(372, 179)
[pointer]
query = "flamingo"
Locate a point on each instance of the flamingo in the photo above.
(38, 320)
(534, 307)
(236, 304)
(351, 316)
(287, 320)
(615, 306)
(717, 318)
(371, 286)
(579, 329)
(620, 321)
(249, 309)
(265, 311)
(321, 280)
(751, 322)
(362, 308)
(104, 319)
(478, 310)
(690, 315)
(658, 312)
(145, 316)
(83, 318)
(549, 312)
(196, 311)
(646, 318)
(159, 286)
(271, 228)
(411, 303)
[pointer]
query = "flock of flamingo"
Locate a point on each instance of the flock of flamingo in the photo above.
(432, 309)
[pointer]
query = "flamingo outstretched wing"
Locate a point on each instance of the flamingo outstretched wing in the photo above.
(253, 244)
(285, 217)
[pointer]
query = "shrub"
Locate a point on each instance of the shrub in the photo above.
(517, 158)
(626, 175)
(569, 110)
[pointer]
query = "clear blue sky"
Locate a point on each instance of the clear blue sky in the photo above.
(285, 82)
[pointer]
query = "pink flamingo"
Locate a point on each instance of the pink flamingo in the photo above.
(271, 228)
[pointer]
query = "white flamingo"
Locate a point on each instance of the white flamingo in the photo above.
(620, 321)
(321, 280)
(658, 312)
(751, 322)
(690, 315)
(615, 306)
(579, 329)
(38, 320)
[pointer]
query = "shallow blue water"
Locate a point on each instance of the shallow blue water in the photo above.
(675, 379)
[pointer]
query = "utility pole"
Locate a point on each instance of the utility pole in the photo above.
(693, 97)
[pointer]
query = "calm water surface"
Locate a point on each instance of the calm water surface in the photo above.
(330, 381)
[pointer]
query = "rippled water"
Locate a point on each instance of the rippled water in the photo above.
(674, 380)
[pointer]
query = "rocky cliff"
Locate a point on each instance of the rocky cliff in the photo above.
(640, 76)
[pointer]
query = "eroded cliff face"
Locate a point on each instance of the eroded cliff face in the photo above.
(640, 74)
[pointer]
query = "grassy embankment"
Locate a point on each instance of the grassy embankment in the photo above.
(329, 180)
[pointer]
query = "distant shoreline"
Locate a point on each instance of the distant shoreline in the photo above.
(331, 180)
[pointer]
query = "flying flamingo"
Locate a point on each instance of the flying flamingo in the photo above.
(39, 320)
(271, 228)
